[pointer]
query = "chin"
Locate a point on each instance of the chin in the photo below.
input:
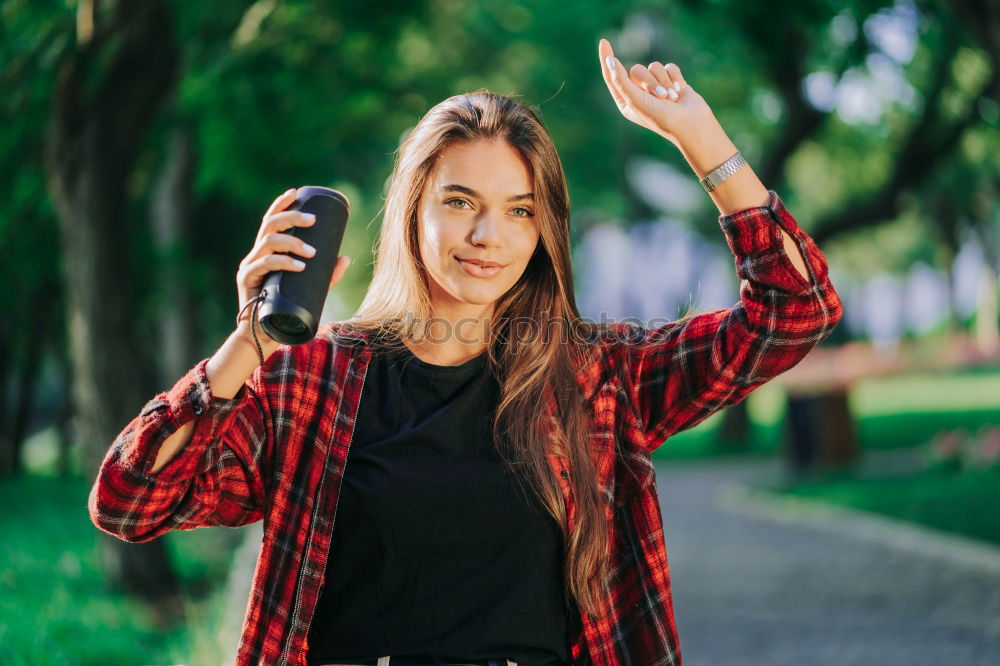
(476, 297)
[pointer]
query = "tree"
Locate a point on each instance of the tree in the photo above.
(108, 89)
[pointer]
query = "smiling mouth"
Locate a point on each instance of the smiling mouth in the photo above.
(488, 264)
(478, 270)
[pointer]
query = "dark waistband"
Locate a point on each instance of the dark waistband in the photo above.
(424, 660)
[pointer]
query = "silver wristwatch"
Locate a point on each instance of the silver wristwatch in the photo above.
(723, 171)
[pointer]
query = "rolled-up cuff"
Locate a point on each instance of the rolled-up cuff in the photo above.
(190, 398)
(754, 237)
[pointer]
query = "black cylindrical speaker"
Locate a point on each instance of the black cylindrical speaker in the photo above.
(292, 306)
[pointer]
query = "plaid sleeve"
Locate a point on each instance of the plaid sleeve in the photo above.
(216, 479)
(686, 370)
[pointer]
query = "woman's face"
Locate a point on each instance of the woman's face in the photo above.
(477, 205)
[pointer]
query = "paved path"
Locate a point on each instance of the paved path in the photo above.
(750, 590)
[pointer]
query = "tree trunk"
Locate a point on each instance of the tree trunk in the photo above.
(107, 93)
(819, 431)
(6, 369)
(171, 217)
(734, 434)
(35, 340)
(63, 420)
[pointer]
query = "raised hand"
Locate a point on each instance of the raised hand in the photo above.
(272, 251)
(655, 97)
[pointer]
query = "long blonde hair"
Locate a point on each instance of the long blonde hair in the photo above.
(528, 371)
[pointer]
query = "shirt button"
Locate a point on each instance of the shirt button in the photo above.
(198, 409)
(565, 474)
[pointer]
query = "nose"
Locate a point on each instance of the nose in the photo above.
(486, 230)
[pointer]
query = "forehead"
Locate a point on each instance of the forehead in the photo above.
(492, 168)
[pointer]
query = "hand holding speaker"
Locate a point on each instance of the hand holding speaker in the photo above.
(286, 287)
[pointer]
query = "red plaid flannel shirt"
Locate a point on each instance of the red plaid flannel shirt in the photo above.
(276, 451)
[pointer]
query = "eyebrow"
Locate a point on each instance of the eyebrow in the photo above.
(472, 193)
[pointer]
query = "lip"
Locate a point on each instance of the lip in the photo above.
(480, 262)
(477, 270)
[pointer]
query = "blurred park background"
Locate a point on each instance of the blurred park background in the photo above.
(142, 141)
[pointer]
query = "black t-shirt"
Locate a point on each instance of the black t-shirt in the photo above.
(437, 549)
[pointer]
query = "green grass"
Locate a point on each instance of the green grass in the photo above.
(891, 412)
(963, 502)
(54, 605)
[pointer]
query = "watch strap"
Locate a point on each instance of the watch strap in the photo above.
(718, 175)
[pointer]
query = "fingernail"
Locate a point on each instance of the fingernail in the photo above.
(660, 91)
(672, 93)
(298, 263)
(610, 61)
(310, 217)
(309, 248)
(677, 86)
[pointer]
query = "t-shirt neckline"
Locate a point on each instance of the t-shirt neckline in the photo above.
(411, 360)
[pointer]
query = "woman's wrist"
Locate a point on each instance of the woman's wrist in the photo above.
(236, 360)
(708, 148)
(268, 344)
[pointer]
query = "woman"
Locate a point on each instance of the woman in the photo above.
(500, 505)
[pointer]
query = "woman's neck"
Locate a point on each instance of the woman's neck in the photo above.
(453, 337)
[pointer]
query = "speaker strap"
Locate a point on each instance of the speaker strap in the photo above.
(255, 301)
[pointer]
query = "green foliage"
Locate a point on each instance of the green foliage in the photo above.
(54, 607)
(963, 504)
(278, 94)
